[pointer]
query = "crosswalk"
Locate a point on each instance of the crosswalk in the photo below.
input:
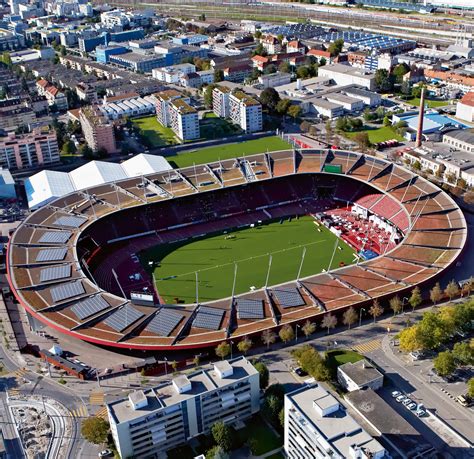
(96, 398)
(13, 392)
(80, 412)
(20, 373)
(102, 413)
(368, 346)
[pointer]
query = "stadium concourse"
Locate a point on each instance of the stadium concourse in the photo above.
(69, 262)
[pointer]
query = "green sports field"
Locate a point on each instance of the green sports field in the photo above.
(214, 257)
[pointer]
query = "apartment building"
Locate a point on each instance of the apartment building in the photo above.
(98, 131)
(36, 148)
(150, 422)
(53, 95)
(220, 101)
(317, 427)
(163, 100)
(11, 119)
(184, 120)
(245, 111)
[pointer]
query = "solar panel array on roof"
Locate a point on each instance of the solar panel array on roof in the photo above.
(55, 272)
(288, 297)
(208, 318)
(164, 322)
(89, 307)
(51, 254)
(123, 318)
(71, 221)
(65, 291)
(55, 237)
(249, 309)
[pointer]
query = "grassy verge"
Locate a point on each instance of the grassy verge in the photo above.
(265, 439)
(431, 103)
(339, 357)
(376, 135)
(153, 134)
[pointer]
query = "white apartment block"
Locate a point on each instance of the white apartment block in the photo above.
(163, 100)
(150, 422)
(317, 427)
(184, 120)
(220, 101)
(245, 111)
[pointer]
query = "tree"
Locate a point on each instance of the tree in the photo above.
(329, 132)
(376, 310)
(415, 298)
(399, 71)
(222, 435)
(208, 95)
(444, 363)
(469, 197)
(294, 111)
(436, 293)
(86, 151)
(244, 345)
(470, 388)
(281, 417)
(264, 374)
(409, 340)
(349, 317)
(268, 337)
(197, 360)
(174, 365)
(272, 406)
(383, 81)
(284, 67)
(386, 121)
(216, 452)
(396, 304)
(336, 46)
(286, 333)
(433, 330)
(218, 75)
(310, 360)
(308, 328)
(302, 72)
(329, 321)
(467, 287)
(452, 290)
(269, 98)
(95, 430)
(223, 350)
(362, 140)
(464, 353)
(69, 147)
(282, 106)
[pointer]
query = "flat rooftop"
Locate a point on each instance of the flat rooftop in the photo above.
(202, 381)
(361, 372)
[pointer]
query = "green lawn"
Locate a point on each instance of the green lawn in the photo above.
(153, 134)
(213, 127)
(340, 357)
(213, 257)
(258, 429)
(377, 135)
(231, 150)
(431, 103)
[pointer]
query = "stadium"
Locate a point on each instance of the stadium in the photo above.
(188, 258)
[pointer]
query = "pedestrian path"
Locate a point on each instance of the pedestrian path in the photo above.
(13, 392)
(80, 412)
(368, 346)
(20, 373)
(102, 413)
(96, 398)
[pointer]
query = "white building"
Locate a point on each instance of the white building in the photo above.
(317, 427)
(326, 108)
(134, 106)
(273, 80)
(344, 75)
(349, 103)
(220, 101)
(359, 375)
(465, 108)
(7, 184)
(370, 98)
(245, 111)
(184, 120)
(172, 73)
(150, 422)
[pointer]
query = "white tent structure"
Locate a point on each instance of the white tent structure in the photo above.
(45, 186)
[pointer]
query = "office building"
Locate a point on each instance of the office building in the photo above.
(34, 149)
(245, 111)
(344, 75)
(318, 427)
(98, 131)
(150, 422)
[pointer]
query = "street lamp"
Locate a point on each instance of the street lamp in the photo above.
(231, 349)
(296, 336)
(166, 366)
(360, 316)
(405, 298)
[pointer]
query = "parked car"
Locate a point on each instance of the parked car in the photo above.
(411, 406)
(396, 393)
(401, 398)
(464, 400)
(300, 372)
(420, 413)
(407, 401)
(106, 453)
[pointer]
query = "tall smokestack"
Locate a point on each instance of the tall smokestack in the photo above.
(421, 115)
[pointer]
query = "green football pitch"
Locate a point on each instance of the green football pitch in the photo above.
(214, 257)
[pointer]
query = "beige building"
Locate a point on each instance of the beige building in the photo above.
(36, 148)
(98, 131)
(245, 111)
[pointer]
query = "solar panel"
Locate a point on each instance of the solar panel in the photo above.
(72, 221)
(89, 307)
(55, 237)
(288, 297)
(51, 254)
(164, 322)
(65, 291)
(55, 272)
(249, 309)
(208, 318)
(123, 318)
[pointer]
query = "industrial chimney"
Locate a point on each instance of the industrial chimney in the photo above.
(421, 115)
